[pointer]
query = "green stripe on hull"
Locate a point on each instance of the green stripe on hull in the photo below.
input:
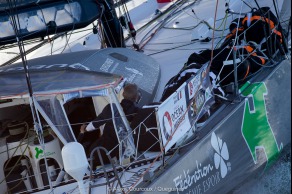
(256, 129)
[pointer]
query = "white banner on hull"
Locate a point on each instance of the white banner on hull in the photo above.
(179, 112)
(173, 118)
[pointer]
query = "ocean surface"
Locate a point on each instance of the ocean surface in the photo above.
(277, 179)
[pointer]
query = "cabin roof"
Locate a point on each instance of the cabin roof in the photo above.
(53, 81)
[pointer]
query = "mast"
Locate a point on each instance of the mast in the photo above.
(113, 32)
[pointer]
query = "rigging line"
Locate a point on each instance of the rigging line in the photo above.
(162, 42)
(52, 43)
(21, 47)
(154, 19)
(248, 55)
(119, 4)
(20, 180)
(16, 26)
(163, 148)
(173, 48)
(217, 29)
(243, 34)
(180, 8)
(77, 40)
(270, 40)
(113, 12)
(186, 144)
(285, 46)
(47, 28)
(108, 119)
(234, 43)
(191, 15)
(203, 21)
(219, 43)
(160, 25)
(110, 31)
(172, 11)
(131, 30)
(8, 161)
(224, 28)
(111, 35)
(130, 134)
(247, 4)
(157, 41)
(166, 162)
(289, 26)
(276, 9)
(16, 148)
(177, 49)
(103, 33)
(125, 168)
(236, 38)
(42, 143)
(264, 26)
(12, 39)
(99, 23)
(126, 8)
(43, 16)
(73, 27)
(67, 39)
(31, 50)
(11, 170)
(156, 25)
(100, 38)
(213, 35)
(163, 13)
(242, 63)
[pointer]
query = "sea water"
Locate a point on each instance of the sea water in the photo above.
(277, 180)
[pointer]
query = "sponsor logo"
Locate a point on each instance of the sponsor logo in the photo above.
(133, 74)
(167, 125)
(178, 116)
(204, 177)
(221, 155)
(256, 129)
(200, 99)
(203, 74)
(197, 103)
(193, 86)
(177, 97)
(75, 66)
(178, 112)
(173, 120)
(106, 65)
(40, 153)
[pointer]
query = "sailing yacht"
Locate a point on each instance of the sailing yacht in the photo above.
(194, 141)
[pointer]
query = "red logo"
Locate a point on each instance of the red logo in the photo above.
(190, 88)
(167, 125)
